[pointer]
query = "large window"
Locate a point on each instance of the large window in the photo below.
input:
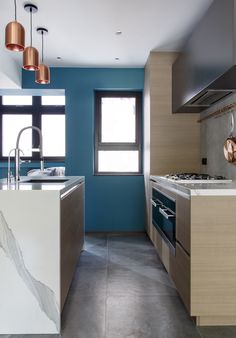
(118, 132)
(45, 112)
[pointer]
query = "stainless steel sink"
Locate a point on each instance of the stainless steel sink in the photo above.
(46, 180)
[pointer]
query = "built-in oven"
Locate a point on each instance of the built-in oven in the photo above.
(163, 216)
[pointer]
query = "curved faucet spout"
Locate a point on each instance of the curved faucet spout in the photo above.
(17, 152)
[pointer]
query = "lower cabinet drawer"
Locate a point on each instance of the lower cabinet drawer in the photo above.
(180, 273)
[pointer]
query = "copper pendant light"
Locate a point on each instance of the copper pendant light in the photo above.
(42, 76)
(31, 55)
(15, 35)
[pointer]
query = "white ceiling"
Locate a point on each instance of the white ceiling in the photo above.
(82, 32)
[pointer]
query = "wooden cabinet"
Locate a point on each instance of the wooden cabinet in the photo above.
(72, 235)
(203, 266)
(183, 208)
(180, 273)
(171, 141)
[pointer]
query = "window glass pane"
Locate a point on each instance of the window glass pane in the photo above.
(118, 161)
(17, 100)
(11, 125)
(53, 130)
(55, 100)
(118, 119)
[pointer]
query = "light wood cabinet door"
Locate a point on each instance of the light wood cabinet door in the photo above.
(180, 273)
(72, 236)
(183, 221)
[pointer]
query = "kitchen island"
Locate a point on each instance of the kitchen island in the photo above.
(194, 231)
(41, 236)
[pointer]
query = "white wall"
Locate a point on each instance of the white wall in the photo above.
(214, 132)
(10, 69)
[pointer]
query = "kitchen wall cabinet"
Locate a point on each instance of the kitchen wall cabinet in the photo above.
(171, 141)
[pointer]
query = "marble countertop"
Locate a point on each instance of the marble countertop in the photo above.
(50, 183)
(198, 189)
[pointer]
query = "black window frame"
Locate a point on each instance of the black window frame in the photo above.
(36, 110)
(99, 145)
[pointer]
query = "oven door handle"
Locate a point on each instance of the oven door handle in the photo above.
(155, 204)
(165, 214)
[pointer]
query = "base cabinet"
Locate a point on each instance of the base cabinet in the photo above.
(72, 236)
(203, 266)
(180, 273)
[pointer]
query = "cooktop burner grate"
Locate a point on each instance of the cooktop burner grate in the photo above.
(193, 177)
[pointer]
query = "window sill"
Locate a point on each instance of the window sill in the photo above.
(118, 174)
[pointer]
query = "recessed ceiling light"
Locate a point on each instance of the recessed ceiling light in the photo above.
(118, 32)
(117, 59)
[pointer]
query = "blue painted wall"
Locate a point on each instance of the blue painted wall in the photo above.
(113, 203)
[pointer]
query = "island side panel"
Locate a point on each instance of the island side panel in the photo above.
(72, 236)
(29, 262)
(213, 259)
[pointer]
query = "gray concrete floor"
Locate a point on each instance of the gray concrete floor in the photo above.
(121, 290)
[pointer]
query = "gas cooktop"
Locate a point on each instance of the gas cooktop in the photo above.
(196, 178)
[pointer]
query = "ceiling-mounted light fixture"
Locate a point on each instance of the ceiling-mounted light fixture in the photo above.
(31, 55)
(15, 35)
(42, 76)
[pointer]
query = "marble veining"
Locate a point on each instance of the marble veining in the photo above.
(43, 294)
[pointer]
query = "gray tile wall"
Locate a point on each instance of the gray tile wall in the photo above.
(214, 132)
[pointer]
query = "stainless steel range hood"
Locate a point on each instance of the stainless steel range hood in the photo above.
(205, 71)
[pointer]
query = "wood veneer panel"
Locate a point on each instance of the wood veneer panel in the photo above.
(213, 256)
(180, 273)
(174, 138)
(72, 236)
(183, 222)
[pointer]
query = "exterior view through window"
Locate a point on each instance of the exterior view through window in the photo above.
(118, 132)
(45, 112)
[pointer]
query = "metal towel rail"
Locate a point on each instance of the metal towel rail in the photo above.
(225, 110)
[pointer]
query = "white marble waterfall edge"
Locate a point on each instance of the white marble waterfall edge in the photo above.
(29, 262)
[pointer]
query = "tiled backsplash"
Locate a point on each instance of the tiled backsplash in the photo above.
(214, 132)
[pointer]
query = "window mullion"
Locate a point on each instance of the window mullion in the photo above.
(117, 146)
(36, 112)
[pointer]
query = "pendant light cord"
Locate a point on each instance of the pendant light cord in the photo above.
(15, 9)
(42, 48)
(31, 27)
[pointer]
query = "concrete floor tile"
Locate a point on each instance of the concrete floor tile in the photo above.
(84, 317)
(123, 242)
(93, 242)
(148, 317)
(139, 281)
(89, 282)
(93, 259)
(134, 256)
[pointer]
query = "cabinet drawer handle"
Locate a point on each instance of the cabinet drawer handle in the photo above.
(164, 213)
(155, 203)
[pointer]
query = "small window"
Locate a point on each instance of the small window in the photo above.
(118, 132)
(53, 131)
(118, 119)
(17, 100)
(50, 119)
(56, 100)
(11, 125)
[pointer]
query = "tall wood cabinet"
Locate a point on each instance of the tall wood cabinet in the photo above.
(171, 141)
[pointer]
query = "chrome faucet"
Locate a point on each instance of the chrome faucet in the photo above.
(17, 151)
(9, 173)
